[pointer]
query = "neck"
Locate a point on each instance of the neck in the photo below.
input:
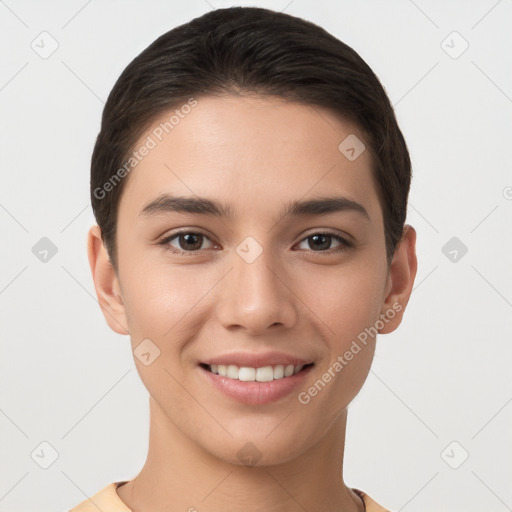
(179, 475)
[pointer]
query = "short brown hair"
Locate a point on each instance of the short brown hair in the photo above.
(253, 50)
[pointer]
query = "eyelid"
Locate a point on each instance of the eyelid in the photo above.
(345, 240)
(164, 241)
(329, 231)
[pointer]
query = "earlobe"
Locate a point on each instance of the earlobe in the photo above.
(400, 280)
(106, 283)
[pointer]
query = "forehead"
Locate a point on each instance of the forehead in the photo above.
(251, 149)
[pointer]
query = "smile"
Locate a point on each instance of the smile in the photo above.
(261, 374)
(255, 385)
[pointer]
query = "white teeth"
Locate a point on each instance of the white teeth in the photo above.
(278, 371)
(246, 374)
(232, 372)
(263, 374)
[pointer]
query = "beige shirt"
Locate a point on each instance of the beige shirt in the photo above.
(107, 500)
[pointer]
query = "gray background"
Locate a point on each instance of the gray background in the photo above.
(443, 377)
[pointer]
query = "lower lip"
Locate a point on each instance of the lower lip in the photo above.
(256, 393)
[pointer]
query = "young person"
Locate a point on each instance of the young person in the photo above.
(250, 187)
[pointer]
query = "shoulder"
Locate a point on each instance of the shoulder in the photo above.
(370, 504)
(106, 500)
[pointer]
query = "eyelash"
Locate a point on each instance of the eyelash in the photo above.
(345, 244)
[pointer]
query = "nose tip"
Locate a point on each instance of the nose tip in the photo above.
(254, 297)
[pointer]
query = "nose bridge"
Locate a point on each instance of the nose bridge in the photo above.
(254, 297)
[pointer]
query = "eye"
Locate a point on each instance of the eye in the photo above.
(319, 242)
(186, 241)
(192, 242)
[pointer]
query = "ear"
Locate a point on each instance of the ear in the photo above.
(106, 283)
(400, 281)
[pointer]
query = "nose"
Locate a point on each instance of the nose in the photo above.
(257, 296)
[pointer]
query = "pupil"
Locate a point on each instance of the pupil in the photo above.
(190, 238)
(324, 245)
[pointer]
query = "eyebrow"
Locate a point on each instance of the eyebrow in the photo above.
(166, 203)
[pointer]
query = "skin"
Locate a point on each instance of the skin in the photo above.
(255, 154)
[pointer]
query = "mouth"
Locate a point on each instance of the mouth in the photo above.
(261, 374)
(255, 386)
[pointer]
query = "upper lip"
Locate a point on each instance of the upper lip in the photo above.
(251, 360)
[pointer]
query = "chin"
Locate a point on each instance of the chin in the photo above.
(258, 449)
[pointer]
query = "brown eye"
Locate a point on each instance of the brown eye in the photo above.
(186, 241)
(322, 242)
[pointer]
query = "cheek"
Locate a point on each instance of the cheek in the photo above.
(347, 300)
(164, 301)
(348, 305)
(163, 306)
(160, 298)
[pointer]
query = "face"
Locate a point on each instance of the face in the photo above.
(237, 276)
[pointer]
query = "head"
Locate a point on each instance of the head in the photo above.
(256, 123)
